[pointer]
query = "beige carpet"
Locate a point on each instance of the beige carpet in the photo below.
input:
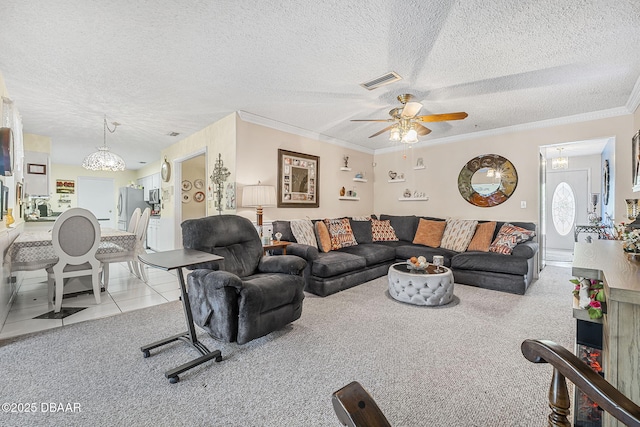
(458, 365)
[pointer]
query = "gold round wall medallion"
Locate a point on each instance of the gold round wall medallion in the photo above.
(165, 170)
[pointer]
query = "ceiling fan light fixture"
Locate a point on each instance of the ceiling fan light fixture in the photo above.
(394, 134)
(410, 137)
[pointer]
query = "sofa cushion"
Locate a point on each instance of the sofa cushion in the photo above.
(490, 261)
(340, 232)
(336, 262)
(373, 253)
(508, 237)
(323, 236)
(403, 225)
(482, 237)
(361, 230)
(283, 227)
(303, 231)
(458, 234)
(382, 231)
(429, 233)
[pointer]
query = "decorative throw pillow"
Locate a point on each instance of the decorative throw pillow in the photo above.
(324, 238)
(482, 239)
(458, 234)
(508, 237)
(302, 230)
(361, 218)
(429, 233)
(361, 231)
(340, 232)
(382, 231)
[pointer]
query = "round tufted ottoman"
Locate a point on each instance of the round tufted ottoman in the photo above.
(426, 287)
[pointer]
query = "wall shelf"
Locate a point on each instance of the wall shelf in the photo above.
(419, 167)
(395, 180)
(345, 169)
(348, 198)
(413, 199)
(360, 179)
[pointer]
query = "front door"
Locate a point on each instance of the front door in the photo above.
(566, 205)
(98, 196)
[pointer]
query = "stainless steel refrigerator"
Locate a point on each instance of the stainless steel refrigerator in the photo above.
(128, 200)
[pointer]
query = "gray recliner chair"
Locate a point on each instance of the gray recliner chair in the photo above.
(246, 295)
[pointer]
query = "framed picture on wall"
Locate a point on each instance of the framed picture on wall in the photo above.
(298, 180)
(635, 158)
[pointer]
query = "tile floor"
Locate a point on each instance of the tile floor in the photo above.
(125, 293)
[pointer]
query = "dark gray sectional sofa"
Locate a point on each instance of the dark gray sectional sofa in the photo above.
(334, 271)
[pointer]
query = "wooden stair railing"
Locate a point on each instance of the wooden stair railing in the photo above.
(567, 366)
(355, 407)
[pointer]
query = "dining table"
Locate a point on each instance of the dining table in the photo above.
(33, 250)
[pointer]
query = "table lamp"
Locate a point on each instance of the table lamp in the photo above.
(259, 196)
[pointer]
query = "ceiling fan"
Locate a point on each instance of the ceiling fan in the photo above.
(406, 127)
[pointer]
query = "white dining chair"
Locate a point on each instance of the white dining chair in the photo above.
(75, 239)
(141, 235)
(133, 223)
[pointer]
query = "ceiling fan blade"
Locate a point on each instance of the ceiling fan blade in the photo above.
(410, 109)
(442, 117)
(372, 120)
(382, 131)
(422, 130)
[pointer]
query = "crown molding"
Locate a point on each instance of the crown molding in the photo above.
(578, 118)
(634, 98)
(273, 124)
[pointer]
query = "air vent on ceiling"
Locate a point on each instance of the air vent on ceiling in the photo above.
(385, 79)
(173, 134)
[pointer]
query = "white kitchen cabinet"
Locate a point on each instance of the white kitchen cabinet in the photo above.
(156, 181)
(152, 233)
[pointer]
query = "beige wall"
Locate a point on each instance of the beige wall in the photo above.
(193, 169)
(39, 143)
(444, 162)
(257, 160)
(217, 138)
(150, 169)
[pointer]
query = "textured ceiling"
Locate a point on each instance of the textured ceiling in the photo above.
(177, 66)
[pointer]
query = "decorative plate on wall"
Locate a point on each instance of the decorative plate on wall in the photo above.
(186, 185)
(487, 180)
(198, 183)
(186, 198)
(199, 196)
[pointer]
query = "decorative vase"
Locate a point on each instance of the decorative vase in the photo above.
(9, 220)
(342, 191)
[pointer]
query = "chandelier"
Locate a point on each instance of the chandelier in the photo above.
(560, 162)
(103, 159)
(404, 132)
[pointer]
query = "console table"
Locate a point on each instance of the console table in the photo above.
(605, 260)
(176, 260)
(601, 230)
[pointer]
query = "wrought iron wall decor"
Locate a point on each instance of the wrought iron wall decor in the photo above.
(218, 178)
